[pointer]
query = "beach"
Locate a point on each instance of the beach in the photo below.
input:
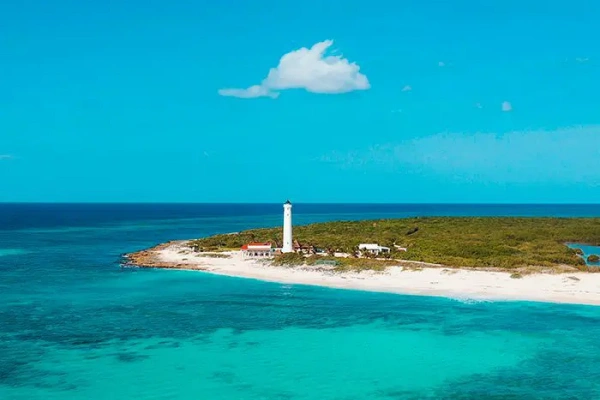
(423, 280)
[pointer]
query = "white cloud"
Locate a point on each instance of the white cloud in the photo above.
(441, 64)
(506, 106)
(249, 93)
(407, 88)
(308, 69)
(6, 157)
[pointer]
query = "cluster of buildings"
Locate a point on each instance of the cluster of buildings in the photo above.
(268, 249)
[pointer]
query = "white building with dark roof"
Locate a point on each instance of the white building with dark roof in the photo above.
(373, 248)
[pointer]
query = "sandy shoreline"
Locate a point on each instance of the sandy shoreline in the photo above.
(575, 288)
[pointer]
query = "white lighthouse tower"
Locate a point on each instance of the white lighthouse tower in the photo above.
(287, 228)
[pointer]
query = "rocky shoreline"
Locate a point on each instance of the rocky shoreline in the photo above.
(150, 258)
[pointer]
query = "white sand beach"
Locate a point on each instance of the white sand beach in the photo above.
(575, 288)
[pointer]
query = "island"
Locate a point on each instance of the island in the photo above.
(470, 258)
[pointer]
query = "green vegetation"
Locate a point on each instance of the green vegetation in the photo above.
(593, 258)
(486, 242)
(215, 255)
(342, 264)
(289, 259)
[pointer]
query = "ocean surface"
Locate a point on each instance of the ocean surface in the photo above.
(75, 325)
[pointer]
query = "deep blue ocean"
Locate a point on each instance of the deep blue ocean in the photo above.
(75, 325)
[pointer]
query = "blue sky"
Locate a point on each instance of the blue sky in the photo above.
(418, 101)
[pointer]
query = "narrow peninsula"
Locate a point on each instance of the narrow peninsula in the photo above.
(471, 258)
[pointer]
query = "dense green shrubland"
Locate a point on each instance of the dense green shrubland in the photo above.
(462, 241)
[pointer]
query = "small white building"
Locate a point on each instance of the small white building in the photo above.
(257, 250)
(373, 248)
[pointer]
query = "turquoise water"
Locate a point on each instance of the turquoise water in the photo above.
(74, 325)
(587, 251)
(11, 252)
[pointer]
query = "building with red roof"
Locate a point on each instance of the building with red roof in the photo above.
(257, 249)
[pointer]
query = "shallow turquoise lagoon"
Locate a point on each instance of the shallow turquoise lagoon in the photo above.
(74, 325)
(587, 250)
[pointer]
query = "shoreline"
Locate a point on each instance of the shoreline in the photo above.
(424, 280)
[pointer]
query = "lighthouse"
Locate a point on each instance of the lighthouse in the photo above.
(287, 228)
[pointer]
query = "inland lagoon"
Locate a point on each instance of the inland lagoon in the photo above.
(589, 253)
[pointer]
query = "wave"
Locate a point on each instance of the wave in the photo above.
(470, 300)
(12, 252)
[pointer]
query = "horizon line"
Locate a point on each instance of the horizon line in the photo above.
(303, 203)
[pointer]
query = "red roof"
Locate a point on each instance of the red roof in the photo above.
(245, 247)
